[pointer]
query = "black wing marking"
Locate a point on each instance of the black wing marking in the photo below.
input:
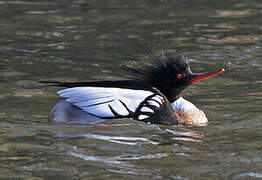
(156, 109)
(117, 115)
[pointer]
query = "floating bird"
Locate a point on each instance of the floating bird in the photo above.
(152, 97)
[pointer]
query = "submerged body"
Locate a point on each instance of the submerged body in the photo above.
(154, 97)
(185, 113)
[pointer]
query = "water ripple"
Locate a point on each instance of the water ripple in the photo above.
(248, 175)
(115, 139)
(119, 164)
(27, 3)
(7, 49)
(41, 12)
(190, 136)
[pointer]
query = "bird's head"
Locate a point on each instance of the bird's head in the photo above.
(172, 74)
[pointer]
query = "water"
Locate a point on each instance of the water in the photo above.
(91, 40)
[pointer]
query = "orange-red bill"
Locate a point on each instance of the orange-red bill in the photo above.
(200, 77)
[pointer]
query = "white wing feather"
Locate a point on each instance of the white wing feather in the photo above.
(98, 100)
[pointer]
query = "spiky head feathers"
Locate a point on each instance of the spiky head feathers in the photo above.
(168, 74)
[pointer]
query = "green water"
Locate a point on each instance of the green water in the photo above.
(91, 40)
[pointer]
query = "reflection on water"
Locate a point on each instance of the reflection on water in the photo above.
(91, 40)
(190, 136)
(120, 162)
(124, 163)
(114, 139)
(234, 14)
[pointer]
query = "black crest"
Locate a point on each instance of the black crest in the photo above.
(169, 74)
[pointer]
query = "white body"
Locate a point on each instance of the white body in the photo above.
(89, 105)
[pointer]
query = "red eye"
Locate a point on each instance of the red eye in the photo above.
(179, 76)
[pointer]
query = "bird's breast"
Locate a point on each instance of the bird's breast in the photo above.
(188, 113)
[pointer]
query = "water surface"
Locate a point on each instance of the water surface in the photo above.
(91, 40)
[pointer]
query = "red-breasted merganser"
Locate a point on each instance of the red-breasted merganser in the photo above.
(152, 97)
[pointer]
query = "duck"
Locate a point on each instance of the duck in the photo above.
(153, 96)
